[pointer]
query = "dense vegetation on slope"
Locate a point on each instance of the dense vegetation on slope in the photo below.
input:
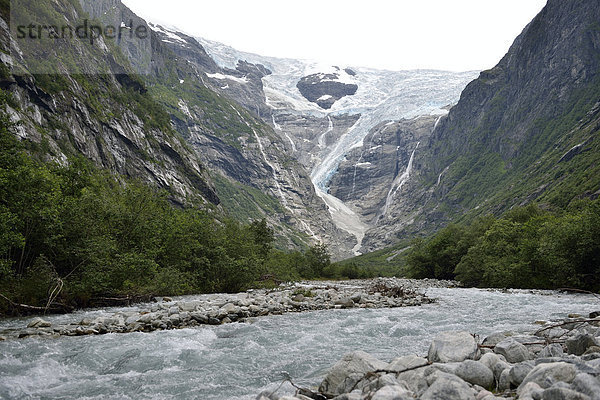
(526, 248)
(72, 235)
(524, 132)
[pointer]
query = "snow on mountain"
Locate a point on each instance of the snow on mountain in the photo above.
(381, 96)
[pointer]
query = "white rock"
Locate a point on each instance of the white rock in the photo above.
(475, 373)
(348, 371)
(519, 371)
(489, 360)
(393, 392)
(452, 346)
(448, 387)
(527, 392)
(39, 323)
(546, 375)
(513, 351)
(588, 385)
(560, 393)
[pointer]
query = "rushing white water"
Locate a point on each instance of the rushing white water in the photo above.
(288, 137)
(322, 139)
(237, 361)
(399, 182)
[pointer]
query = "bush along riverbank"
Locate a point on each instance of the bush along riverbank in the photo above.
(528, 247)
(560, 360)
(242, 307)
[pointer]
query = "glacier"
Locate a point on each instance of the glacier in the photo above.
(382, 96)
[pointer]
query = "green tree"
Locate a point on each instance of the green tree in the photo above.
(317, 259)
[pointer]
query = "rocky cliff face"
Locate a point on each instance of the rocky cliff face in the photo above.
(526, 130)
(105, 115)
(369, 176)
(217, 111)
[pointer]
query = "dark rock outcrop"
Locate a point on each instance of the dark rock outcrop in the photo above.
(325, 89)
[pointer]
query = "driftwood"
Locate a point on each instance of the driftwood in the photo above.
(54, 307)
(546, 342)
(326, 396)
(118, 301)
(579, 321)
(375, 373)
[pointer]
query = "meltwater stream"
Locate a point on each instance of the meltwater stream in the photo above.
(237, 361)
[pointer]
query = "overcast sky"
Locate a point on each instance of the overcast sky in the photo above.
(455, 35)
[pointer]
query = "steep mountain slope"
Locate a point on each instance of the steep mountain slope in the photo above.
(72, 98)
(526, 130)
(254, 176)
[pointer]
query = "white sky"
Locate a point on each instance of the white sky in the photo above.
(455, 35)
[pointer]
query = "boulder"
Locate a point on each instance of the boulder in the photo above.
(392, 392)
(499, 368)
(407, 362)
(189, 306)
(513, 351)
(530, 391)
(580, 343)
(489, 360)
(519, 371)
(415, 380)
(344, 375)
(496, 338)
(384, 380)
(448, 387)
(452, 347)
(476, 373)
(546, 375)
(349, 396)
(560, 393)
(39, 323)
(504, 380)
(345, 302)
(483, 394)
(588, 385)
(228, 308)
(552, 350)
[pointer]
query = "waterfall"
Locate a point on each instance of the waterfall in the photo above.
(399, 181)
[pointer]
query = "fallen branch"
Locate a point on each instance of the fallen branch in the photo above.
(579, 321)
(304, 392)
(26, 306)
(371, 374)
(546, 342)
(55, 293)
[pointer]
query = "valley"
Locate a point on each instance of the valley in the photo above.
(180, 219)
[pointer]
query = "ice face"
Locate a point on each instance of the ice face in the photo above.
(381, 96)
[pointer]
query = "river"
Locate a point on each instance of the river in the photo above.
(237, 361)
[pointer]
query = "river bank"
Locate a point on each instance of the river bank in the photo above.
(558, 361)
(216, 309)
(239, 360)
